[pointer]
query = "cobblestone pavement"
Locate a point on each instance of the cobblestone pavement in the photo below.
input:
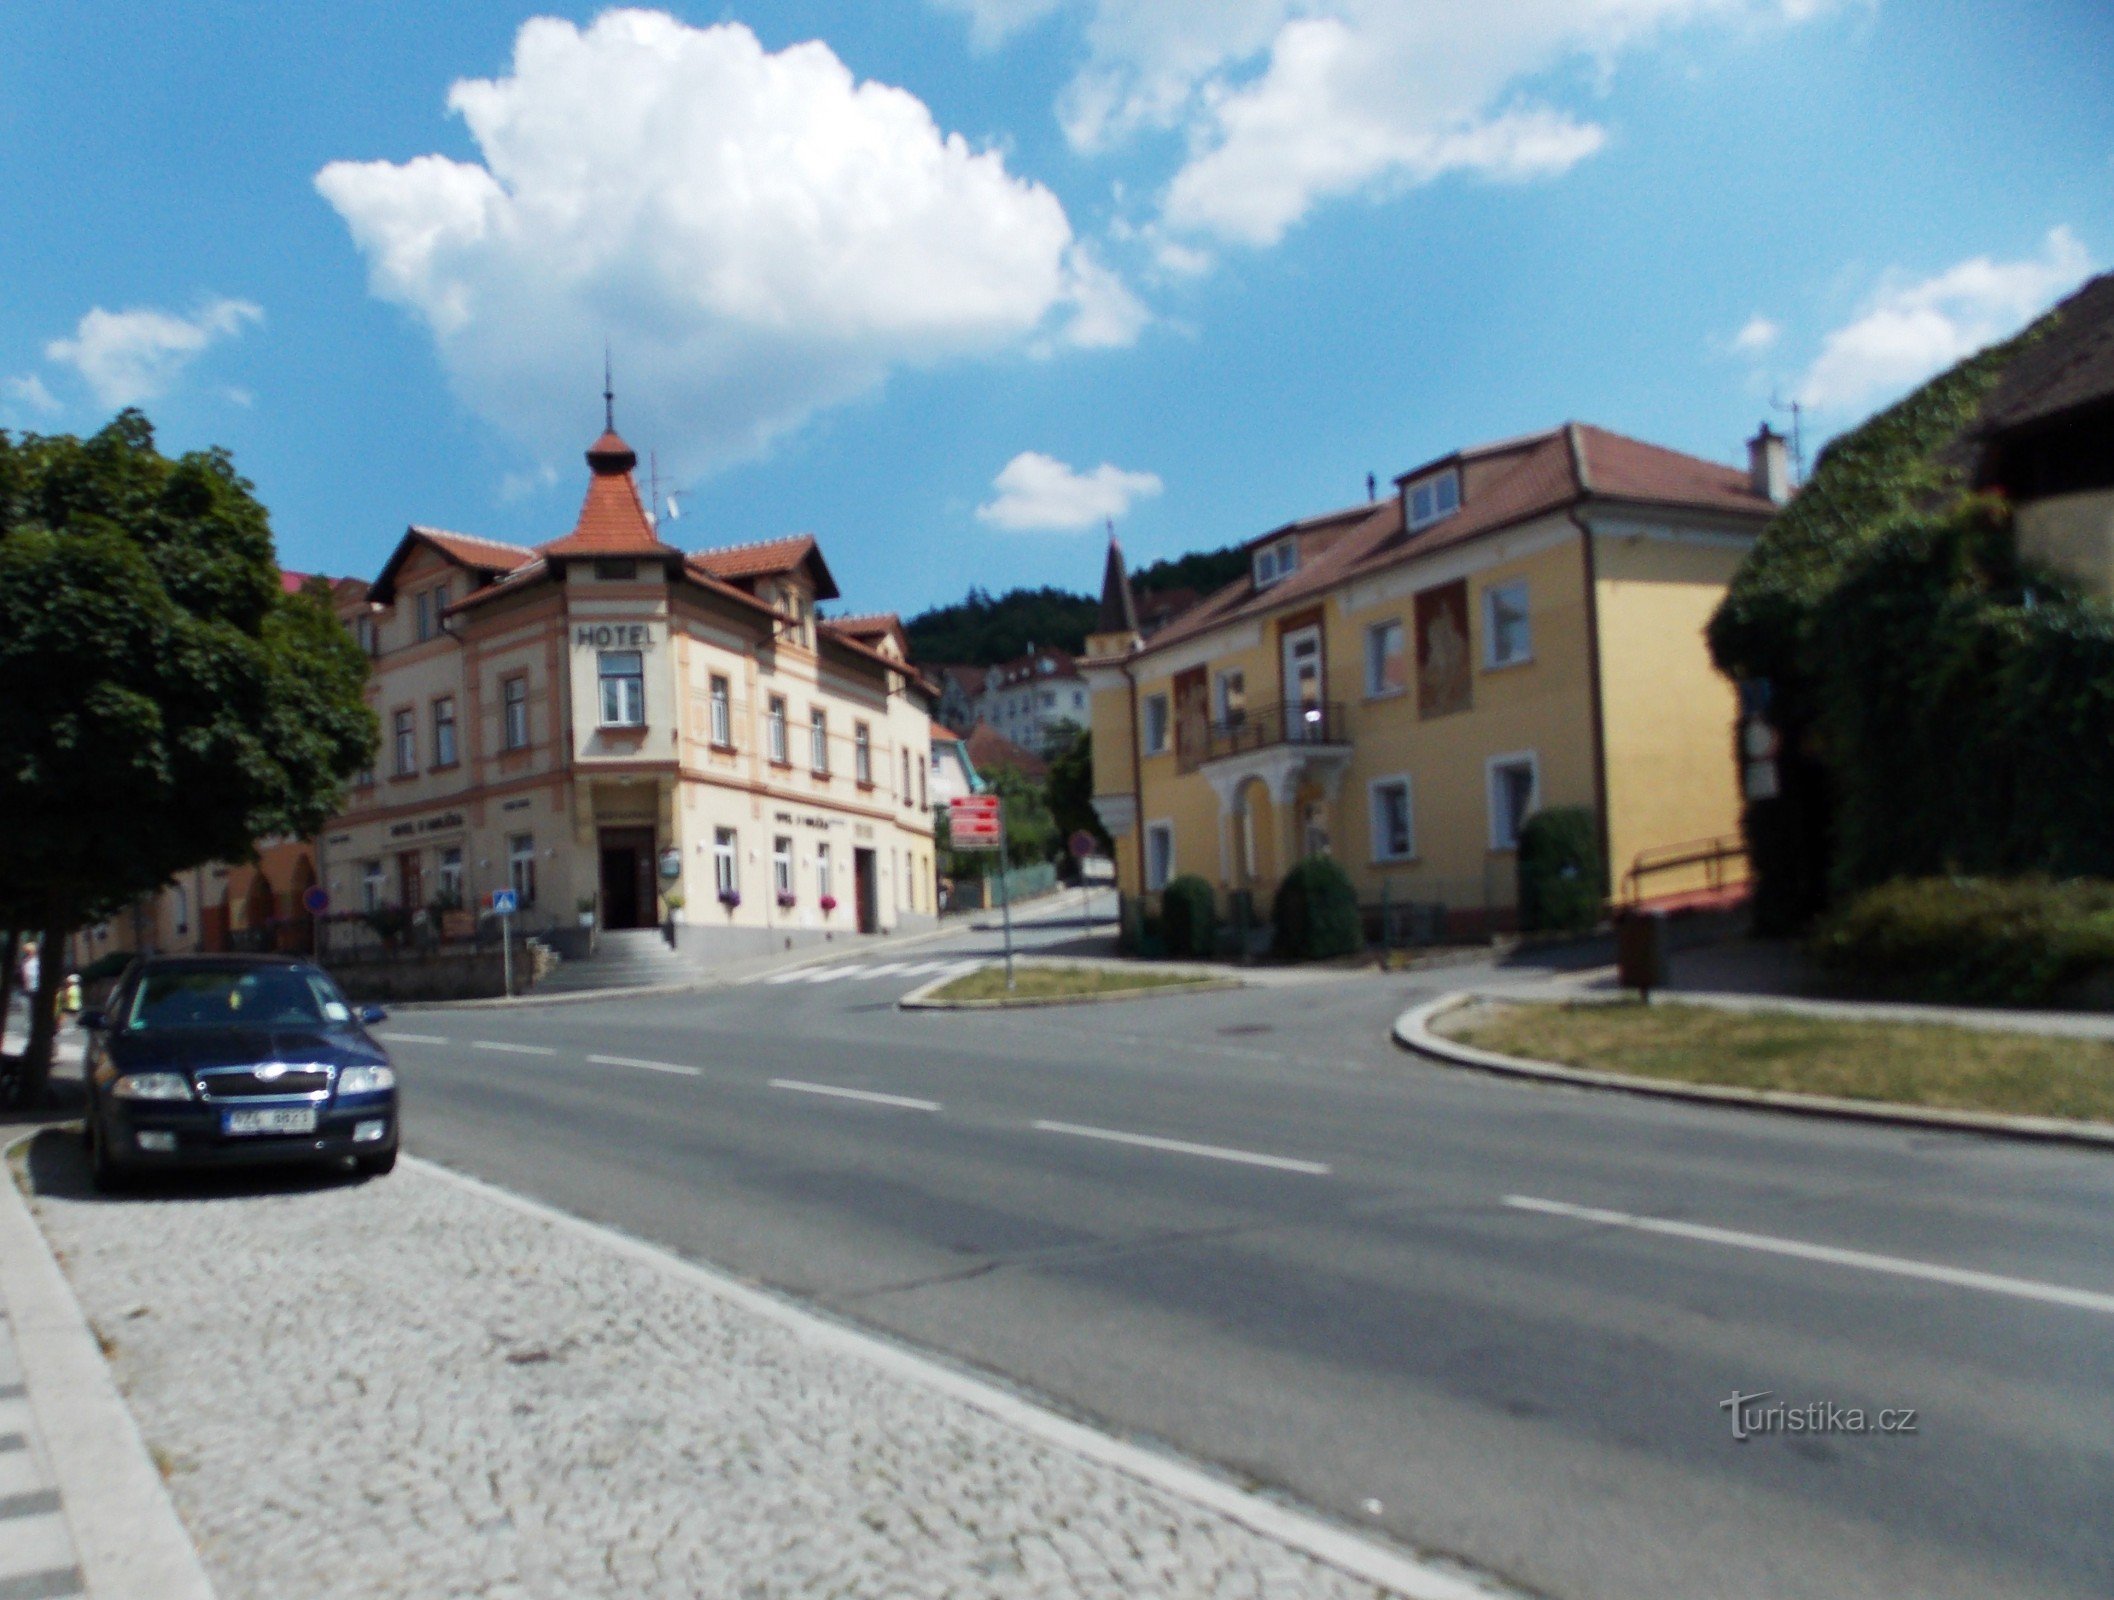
(404, 1388)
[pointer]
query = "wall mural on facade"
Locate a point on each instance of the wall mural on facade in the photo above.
(1444, 682)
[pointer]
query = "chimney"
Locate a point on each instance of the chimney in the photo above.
(1769, 465)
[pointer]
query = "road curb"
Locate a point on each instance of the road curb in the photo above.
(1394, 1571)
(921, 998)
(130, 1543)
(1412, 1031)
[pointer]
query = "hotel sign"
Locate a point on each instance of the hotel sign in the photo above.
(446, 822)
(612, 636)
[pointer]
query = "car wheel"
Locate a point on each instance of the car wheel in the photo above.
(376, 1166)
(104, 1170)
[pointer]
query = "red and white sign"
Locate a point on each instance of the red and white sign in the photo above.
(972, 822)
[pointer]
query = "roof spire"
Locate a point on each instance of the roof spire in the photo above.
(1119, 609)
(609, 394)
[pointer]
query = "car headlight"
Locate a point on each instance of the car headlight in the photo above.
(152, 1086)
(366, 1080)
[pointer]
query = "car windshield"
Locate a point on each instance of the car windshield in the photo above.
(235, 997)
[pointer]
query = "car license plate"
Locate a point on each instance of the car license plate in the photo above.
(285, 1119)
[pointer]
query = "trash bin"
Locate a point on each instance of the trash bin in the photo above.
(1640, 951)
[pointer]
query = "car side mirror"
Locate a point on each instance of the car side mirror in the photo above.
(370, 1015)
(92, 1021)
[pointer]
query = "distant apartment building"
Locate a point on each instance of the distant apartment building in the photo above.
(1031, 698)
(1403, 683)
(608, 722)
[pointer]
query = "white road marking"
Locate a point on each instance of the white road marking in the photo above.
(677, 1068)
(797, 975)
(513, 1049)
(832, 974)
(884, 969)
(904, 1102)
(1183, 1147)
(412, 1038)
(1896, 1266)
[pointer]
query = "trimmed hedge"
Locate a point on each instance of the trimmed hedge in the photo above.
(1316, 913)
(1562, 884)
(2019, 941)
(1189, 917)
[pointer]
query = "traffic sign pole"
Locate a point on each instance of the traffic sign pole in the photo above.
(506, 953)
(1005, 895)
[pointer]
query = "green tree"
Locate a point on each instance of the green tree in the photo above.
(1071, 784)
(163, 702)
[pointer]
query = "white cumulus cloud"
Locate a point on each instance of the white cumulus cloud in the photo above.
(758, 235)
(127, 357)
(1756, 335)
(1040, 494)
(992, 22)
(1284, 104)
(28, 390)
(1912, 328)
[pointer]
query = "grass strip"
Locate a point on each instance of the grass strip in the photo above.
(1059, 983)
(1918, 1064)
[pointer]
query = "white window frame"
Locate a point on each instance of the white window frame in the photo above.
(726, 861)
(818, 741)
(782, 865)
(513, 697)
(374, 883)
(628, 708)
(521, 868)
(721, 692)
(1162, 829)
(822, 869)
(862, 753)
(1375, 688)
(1492, 595)
(423, 605)
(1222, 709)
(1375, 817)
(1440, 495)
(1276, 561)
(775, 728)
(403, 723)
(1156, 724)
(1491, 768)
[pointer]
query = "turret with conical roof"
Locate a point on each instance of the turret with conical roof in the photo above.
(1116, 627)
(612, 522)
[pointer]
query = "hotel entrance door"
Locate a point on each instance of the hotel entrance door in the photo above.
(627, 878)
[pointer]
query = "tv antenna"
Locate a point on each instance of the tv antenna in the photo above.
(1797, 409)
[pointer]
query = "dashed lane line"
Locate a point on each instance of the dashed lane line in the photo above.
(1862, 1260)
(411, 1038)
(899, 1101)
(1214, 1152)
(675, 1067)
(512, 1049)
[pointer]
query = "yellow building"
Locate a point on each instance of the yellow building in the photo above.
(1402, 683)
(609, 722)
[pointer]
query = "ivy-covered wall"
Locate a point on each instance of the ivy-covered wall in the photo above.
(1924, 703)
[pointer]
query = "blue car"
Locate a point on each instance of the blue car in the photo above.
(225, 1060)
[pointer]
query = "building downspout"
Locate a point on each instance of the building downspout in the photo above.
(1137, 779)
(1593, 685)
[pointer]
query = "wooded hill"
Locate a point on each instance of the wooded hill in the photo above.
(980, 630)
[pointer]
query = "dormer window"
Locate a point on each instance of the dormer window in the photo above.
(1434, 498)
(1275, 561)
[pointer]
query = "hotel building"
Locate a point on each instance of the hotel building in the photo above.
(609, 724)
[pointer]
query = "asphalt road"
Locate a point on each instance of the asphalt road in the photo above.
(1366, 1288)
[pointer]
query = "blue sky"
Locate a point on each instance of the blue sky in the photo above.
(947, 281)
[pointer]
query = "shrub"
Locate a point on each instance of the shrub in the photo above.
(1316, 912)
(1189, 917)
(2016, 941)
(1561, 881)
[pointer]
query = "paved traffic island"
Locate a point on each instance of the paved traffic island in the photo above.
(420, 1386)
(2014, 1082)
(1058, 983)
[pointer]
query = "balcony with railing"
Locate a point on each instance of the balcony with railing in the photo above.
(1267, 727)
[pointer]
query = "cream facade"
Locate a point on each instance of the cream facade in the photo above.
(610, 727)
(1402, 684)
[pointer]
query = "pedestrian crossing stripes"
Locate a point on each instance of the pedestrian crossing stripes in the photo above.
(863, 972)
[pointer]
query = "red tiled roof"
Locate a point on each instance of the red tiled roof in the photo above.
(487, 555)
(859, 647)
(989, 749)
(1502, 485)
(769, 558)
(872, 625)
(291, 582)
(612, 522)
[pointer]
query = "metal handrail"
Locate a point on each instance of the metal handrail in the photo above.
(1712, 855)
(1261, 727)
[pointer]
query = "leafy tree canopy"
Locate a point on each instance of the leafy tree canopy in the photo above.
(162, 702)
